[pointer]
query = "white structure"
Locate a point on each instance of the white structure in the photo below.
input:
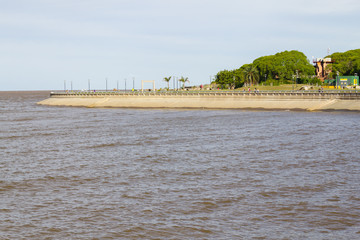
(147, 81)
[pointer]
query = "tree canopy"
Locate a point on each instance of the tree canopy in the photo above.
(280, 67)
(346, 63)
(167, 79)
(184, 80)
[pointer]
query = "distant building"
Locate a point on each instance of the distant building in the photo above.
(321, 70)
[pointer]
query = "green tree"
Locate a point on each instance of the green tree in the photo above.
(184, 80)
(346, 63)
(280, 67)
(234, 78)
(167, 79)
(251, 74)
(284, 65)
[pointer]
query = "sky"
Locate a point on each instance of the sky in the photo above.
(53, 44)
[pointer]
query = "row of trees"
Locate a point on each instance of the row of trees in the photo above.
(182, 79)
(345, 64)
(282, 67)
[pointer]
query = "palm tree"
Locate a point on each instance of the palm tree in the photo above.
(184, 80)
(167, 79)
(251, 74)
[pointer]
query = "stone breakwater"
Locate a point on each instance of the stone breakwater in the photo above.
(211, 100)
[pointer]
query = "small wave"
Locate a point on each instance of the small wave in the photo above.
(22, 119)
(104, 145)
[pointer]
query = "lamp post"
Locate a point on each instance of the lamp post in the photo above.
(64, 85)
(174, 82)
(356, 82)
(89, 85)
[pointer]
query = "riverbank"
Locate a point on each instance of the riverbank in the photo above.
(223, 100)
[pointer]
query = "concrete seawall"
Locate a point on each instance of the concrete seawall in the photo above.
(214, 100)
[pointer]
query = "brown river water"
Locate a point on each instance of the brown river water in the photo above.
(86, 173)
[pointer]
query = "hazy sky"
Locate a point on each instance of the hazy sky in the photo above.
(44, 42)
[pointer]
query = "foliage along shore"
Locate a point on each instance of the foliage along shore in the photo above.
(285, 68)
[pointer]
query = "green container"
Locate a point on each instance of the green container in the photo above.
(344, 81)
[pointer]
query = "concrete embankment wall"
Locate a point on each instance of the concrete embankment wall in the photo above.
(310, 102)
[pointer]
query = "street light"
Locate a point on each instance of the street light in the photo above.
(357, 81)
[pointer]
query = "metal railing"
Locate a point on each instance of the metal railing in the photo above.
(344, 93)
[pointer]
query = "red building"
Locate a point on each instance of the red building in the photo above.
(322, 67)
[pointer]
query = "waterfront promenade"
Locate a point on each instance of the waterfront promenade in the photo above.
(271, 100)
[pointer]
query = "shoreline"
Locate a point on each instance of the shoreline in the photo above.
(263, 101)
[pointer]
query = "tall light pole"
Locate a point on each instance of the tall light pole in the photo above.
(106, 85)
(174, 82)
(64, 85)
(89, 84)
(356, 81)
(71, 86)
(125, 84)
(117, 85)
(133, 83)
